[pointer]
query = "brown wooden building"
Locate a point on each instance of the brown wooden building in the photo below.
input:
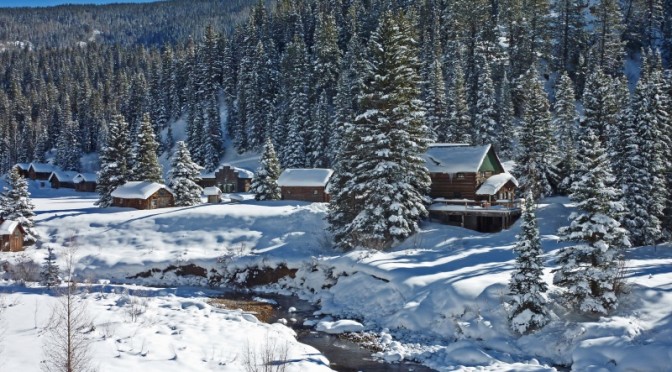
(23, 169)
(470, 187)
(213, 193)
(11, 236)
(41, 171)
(228, 178)
(305, 184)
(143, 195)
(86, 182)
(62, 179)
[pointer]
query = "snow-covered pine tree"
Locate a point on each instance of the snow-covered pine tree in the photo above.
(265, 183)
(506, 121)
(49, 276)
(599, 102)
(146, 166)
(68, 151)
(535, 164)
(589, 269)
(114, 158)
(618, 131)
(486, 108)
(320, 131)
(390, 181)
(644, 184)
(528, 306)
(39, 155)
(608, 50)
(293, 155)
(184, 174)
(460, 120)
(17, 206)
(327, 57)
(565, 123)
(436, 103)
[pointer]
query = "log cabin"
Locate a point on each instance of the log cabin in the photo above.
(143, 195)
(471, 188)
(305, 184)
(213, 193)
(86, 182)
(228, 178)
(62, 179)
(23, 169)
(11, 236)
(41, 171)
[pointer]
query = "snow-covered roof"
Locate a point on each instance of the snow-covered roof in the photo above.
(242, 173)
(212, 191)
(43, 167)
(138, 190)
(314, 177)
(455, 158)
(23, 166)
(63, 176)
(494, 183)
(85, 177)
(8, 227)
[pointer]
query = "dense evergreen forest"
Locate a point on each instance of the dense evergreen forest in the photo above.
(351, 84)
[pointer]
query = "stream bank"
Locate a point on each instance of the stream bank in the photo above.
(344, 355)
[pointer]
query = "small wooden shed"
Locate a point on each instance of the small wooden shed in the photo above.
(305, 184)
(143, 195)
(41, 171)
(86, 182)
(11, 236)
(214, 194)
(62, 179)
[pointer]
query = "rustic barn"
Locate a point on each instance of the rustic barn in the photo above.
(305, 184)
(86, 182)
(214, 194)
(143, 195)
(23, 169)
(228, 178)
(62, 179)
(41, 171)
(11, 236)
(471, 188)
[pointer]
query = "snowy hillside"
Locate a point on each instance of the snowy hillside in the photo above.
(439, 298)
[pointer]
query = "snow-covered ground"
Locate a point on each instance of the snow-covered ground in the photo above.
(439, 298)
(149, 329)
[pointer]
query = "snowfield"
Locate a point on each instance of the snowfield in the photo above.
(439, 298)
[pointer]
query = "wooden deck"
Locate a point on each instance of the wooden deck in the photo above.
(476, 215)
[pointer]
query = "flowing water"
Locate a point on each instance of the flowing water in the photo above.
(344, 355)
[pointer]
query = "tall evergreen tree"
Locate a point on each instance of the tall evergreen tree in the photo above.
(565, 122)
(265, 183)
(390, 182)
(526, 285)
(68, 151)
(608, 50)
(535, 164)
(589, 270)
(506, 119)
(17, 206)
(146, 166)
(460, 120)
(184, 175)
(486, 109)
(114, 158)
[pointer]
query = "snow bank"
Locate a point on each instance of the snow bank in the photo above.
(340, 326)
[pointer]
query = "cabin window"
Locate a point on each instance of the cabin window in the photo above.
(487, 174)
(289, 192)
(314, 192)
(459, 176)
(457, 195)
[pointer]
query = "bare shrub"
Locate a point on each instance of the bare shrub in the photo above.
(24, 270)
(268, 357)
(66, 346)
(136, 307)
